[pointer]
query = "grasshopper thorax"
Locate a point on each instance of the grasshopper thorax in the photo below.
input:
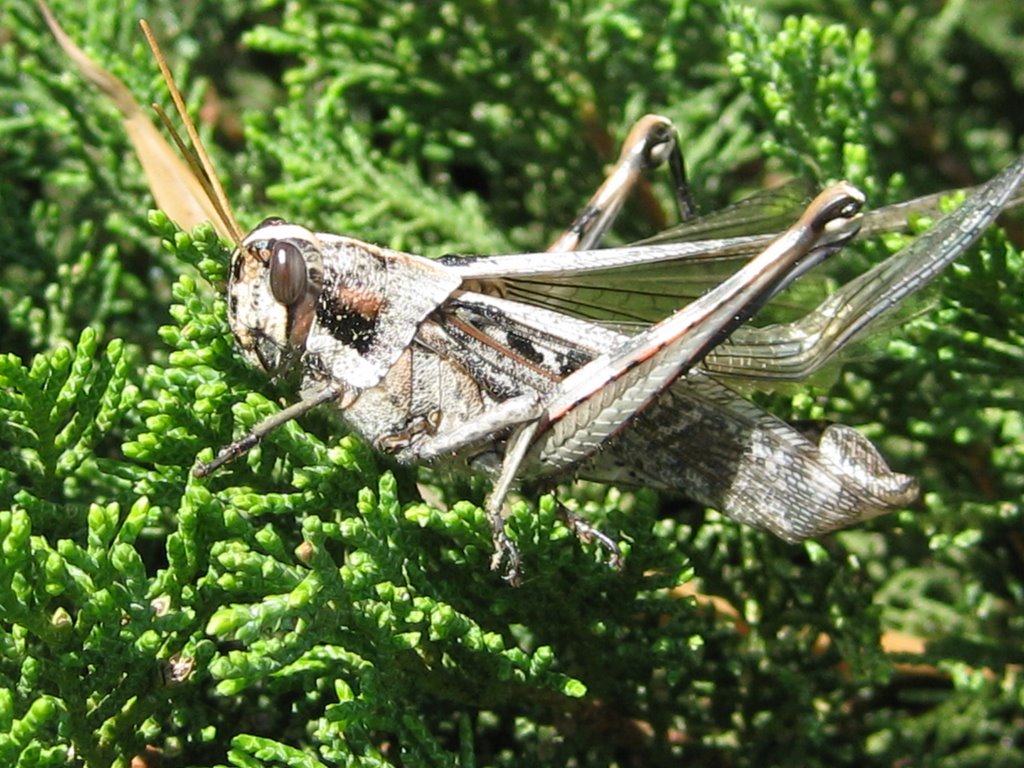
(276, 280)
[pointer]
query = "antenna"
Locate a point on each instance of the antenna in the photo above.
(196, 157)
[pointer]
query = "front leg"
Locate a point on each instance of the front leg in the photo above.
(248, 441)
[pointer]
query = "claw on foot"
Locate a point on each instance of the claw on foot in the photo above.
(587, 533)
(506, 558)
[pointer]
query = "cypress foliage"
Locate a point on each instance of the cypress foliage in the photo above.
(304, 606)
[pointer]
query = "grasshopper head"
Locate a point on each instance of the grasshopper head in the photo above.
(276, 279)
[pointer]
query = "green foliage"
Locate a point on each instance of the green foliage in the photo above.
(304, 606)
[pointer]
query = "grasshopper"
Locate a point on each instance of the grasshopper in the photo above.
(531, 367)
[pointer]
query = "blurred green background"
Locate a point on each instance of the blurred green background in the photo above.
(304, 607)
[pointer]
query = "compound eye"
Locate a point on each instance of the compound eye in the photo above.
(287, 272)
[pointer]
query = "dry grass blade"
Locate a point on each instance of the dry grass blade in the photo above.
(177, 191)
